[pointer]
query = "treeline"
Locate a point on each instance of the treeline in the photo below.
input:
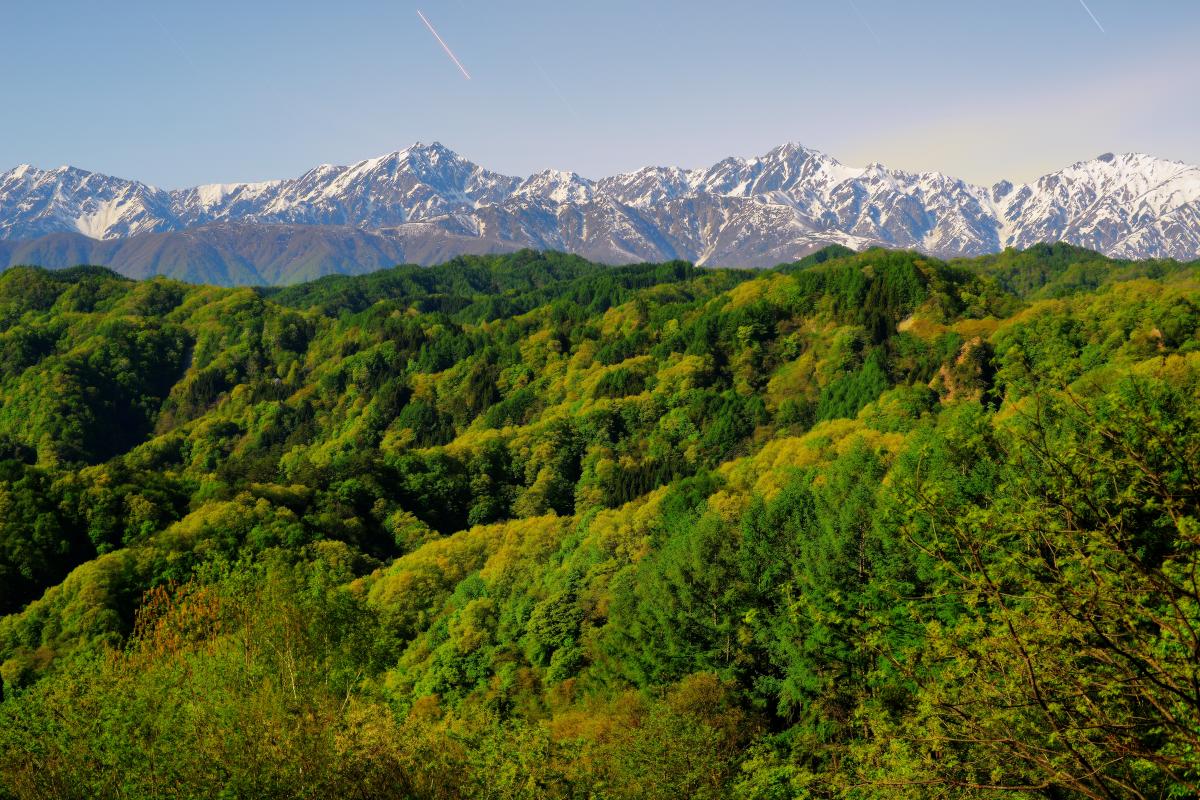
(865, 526)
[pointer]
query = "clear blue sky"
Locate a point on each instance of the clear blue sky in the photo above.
(178, 92)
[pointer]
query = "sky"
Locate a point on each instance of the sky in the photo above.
(181, 92)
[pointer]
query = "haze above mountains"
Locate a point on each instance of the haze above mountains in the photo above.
(426, 204)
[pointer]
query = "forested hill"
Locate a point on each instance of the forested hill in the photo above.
(864, 526)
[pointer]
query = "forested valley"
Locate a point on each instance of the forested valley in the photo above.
(867, 525)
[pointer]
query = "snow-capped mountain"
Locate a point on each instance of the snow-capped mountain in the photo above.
(34, 202)
(428, 202)
(418, 183)
(1130, 206)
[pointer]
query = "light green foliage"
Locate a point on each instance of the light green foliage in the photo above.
(864, 526)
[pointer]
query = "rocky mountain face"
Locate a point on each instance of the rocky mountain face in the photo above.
(426, 203)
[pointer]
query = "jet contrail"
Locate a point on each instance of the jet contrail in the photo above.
(554, 86)
(1093, 16)
(445, 46)
(863, 20)
(174, 42)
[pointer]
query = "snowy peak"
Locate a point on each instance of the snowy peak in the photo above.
(1125, 177)
(740, 211)
(557, 186)
(648, 186)
(36, 202)
(416, 183)
(1105, 204)
(17, 173)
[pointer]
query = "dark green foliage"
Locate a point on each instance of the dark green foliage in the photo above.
(620, 382)
(37, 545)
(827, 253)
(677, 612)
(850, 392)
(485, 287)
(1059, 270)
(865, 526)
(876, 297)
(437, 486)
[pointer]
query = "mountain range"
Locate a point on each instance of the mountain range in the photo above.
(426, 204)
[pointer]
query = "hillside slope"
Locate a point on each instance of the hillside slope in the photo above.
(865, 525)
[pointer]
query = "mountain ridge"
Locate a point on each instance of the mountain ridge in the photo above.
(428, 203)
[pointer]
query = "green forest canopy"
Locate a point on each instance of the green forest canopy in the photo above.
(863, 526)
